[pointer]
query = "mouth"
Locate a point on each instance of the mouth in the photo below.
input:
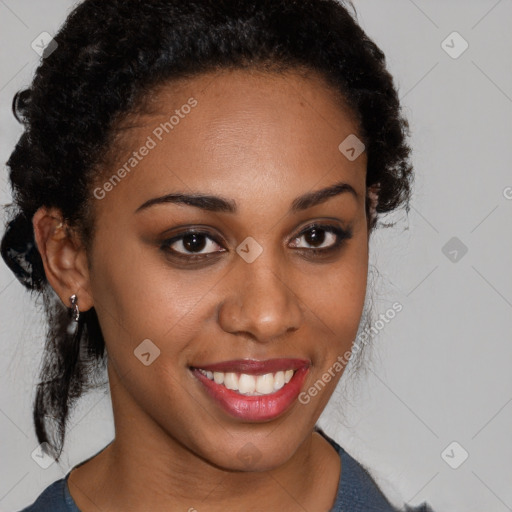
(253, 390)
(251, 385)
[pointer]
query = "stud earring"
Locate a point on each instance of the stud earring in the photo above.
(74, 306)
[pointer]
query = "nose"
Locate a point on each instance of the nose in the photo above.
(260, 302)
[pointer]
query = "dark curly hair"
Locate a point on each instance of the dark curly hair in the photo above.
(110, 56)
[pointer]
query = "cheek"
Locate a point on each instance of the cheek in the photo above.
(149, 316)
(139, 296)
(337, 296)
(339, 304)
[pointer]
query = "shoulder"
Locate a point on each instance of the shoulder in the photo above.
(358, 491)
(54, 498)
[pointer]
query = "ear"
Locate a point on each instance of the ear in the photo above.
(64, 257)
(372, 197)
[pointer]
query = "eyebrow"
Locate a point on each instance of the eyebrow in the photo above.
(224, 205)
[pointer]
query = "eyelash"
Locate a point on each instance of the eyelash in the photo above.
(341, 234)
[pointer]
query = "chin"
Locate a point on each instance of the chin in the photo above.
(263, 453)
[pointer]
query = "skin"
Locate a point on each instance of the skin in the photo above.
(261, 140)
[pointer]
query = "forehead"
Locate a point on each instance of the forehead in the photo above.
(228, 132)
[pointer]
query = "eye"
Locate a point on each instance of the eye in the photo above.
(192, 243)
(317, 239)
(321, 238)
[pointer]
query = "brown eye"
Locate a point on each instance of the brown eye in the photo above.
(321, 237)
(192, 244)
(316, 237)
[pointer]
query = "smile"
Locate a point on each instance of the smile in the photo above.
(253, 390)
(251, 385)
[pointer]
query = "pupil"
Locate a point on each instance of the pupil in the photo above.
(315, 236)
(194, 242)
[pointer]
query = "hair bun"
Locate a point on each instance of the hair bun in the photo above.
(20, 104)
(20, 253)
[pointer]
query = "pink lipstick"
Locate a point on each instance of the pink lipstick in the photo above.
(253, 390)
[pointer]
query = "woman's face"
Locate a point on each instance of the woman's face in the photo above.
(249, 286)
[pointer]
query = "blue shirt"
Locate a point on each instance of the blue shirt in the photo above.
(357, 491)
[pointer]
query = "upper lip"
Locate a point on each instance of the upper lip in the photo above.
(255, 367)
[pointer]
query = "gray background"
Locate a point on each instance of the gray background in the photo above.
(441, 369)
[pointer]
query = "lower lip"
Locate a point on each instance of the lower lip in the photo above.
(255, 408)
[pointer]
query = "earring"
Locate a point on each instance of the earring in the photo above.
(74, 306)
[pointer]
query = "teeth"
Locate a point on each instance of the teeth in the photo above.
(246, 383)
(230, 380)
(265, 384)
(279, 380)
(251, 385)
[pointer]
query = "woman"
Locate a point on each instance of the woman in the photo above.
(194, 194)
